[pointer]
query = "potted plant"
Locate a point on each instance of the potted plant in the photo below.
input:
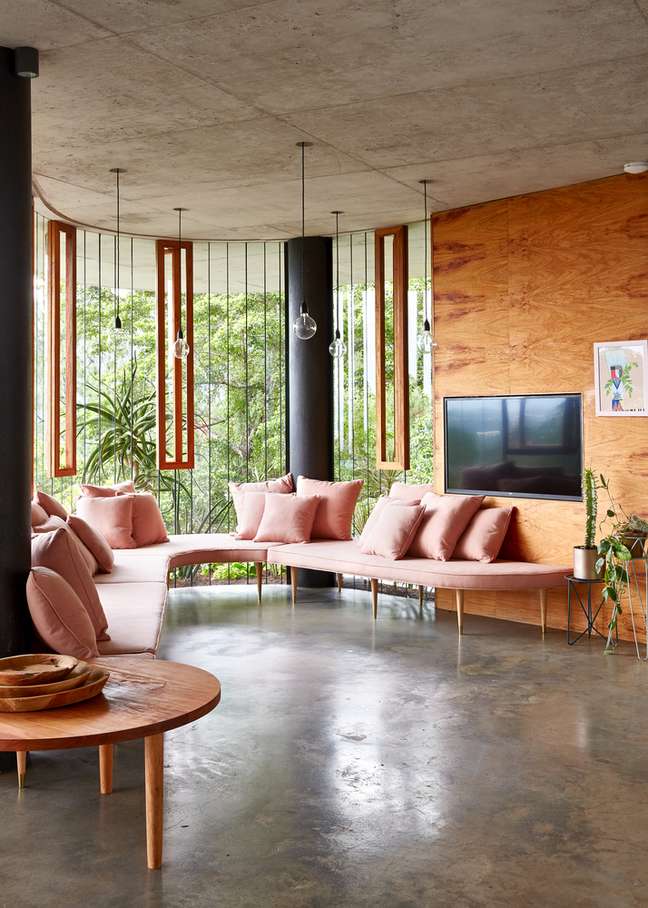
(585, 556)
(633, 532)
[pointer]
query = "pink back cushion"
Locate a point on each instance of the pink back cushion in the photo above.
(484, 536)
(287, 518)
(120, 488)
(445, 519)
(38, 514)
(250, 511)
(111, 517)
(334, 516)
(378, 508)
(59, 616)
(59, 552)
(283, 486)
(55, 523)
(406, 491)
(94, 542)
(51, 506)
(148, 524)
(392, 531)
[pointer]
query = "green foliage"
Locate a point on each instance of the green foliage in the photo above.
(591, 506)
(626, 380)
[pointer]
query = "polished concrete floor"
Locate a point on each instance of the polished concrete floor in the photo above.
(358, 765)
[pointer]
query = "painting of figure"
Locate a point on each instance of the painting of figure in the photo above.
(621, 374)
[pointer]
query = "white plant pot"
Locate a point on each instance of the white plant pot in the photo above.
(585, 563)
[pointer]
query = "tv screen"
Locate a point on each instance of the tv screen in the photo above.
(523, 447)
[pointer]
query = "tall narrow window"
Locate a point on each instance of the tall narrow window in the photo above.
(392, 385)
(61, 243)
(175, 373)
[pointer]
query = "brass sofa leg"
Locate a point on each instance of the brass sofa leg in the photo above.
(421, 600)
(340, 578)
(543, 611)
(293, 585)
(374, 598)
(259, 579)
(459, 599)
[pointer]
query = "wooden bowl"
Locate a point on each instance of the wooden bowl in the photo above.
(76, 678)
(97, 677)
(36, 668)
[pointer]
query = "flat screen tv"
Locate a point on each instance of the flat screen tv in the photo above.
(526, 446)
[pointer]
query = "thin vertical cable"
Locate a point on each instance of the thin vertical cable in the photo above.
(85, 351)
(209, 405)
(99, 403)
(352, 384)
(227, 385)
(247, 376)
(265, 366)
(282, 341)
(132, 361)
(114, 340)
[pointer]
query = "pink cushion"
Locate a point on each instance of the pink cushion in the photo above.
(55, 523)
(148, 524)
(112, 517)
(119, 488)
(250, 511)
(483, 537)
(59, 616)
(38, 514)
(94, 542)
(334, 515)
(283, 486)
(391, 533)
(287, 518)
(59, 552)
(378, 508)
(410, 491)
(445, 519)
(51, 506)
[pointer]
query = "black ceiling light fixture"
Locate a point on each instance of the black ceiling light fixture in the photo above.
(304, 325)
(425, 341)
(117, 171)
(26, 62)
(337, 347)
(180, 345)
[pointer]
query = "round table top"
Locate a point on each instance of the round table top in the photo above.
(142, 697)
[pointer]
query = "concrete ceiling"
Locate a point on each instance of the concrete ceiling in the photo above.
(202, 101)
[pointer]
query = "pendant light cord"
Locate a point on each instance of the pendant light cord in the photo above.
(337, 271)
(304, 308)
(425, 288)
(180, 334)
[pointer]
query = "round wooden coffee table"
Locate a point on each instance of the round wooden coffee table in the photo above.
(143, 698)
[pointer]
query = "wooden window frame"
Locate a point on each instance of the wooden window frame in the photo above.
(401, 379)
(55, 230)
(177, 462)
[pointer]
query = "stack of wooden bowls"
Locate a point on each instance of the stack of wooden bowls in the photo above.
(47, 681)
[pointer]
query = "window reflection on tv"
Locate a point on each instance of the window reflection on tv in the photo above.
(523, 447)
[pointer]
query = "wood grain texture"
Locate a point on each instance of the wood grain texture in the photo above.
(523, 287)
(401, 452)
(141, 698)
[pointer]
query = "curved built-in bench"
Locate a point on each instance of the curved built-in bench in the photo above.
(134, 594)
(346, 558)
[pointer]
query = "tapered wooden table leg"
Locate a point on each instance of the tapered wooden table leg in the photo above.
(259, 579)
(459, 599)
(340, 579)
(154, 782)
(543, 611)
(106, 769)
(374, 598)
(21, 762)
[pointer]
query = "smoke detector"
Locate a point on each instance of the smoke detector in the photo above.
(636, 167)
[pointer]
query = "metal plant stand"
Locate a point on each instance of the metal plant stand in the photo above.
(636, 592)
(573, 589)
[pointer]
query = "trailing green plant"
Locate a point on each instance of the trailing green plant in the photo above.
(590, 491)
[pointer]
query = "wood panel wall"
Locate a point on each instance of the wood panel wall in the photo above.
(523, 287)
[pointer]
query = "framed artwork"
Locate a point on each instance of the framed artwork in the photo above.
(621, 376)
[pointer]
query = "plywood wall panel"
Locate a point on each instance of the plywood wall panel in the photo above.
(523, 288)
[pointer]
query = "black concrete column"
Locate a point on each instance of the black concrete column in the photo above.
(310, 369)
(15, 352)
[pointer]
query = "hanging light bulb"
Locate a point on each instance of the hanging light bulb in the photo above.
(180, 346)
(304, 325)
(337, 347)
(118, 322)
(425, 341)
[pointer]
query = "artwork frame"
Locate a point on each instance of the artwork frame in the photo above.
(621, 371)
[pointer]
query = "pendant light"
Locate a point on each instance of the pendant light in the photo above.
(180, 346)
(337, 347)
(304, 325)
(425, 341)
(117, 171)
